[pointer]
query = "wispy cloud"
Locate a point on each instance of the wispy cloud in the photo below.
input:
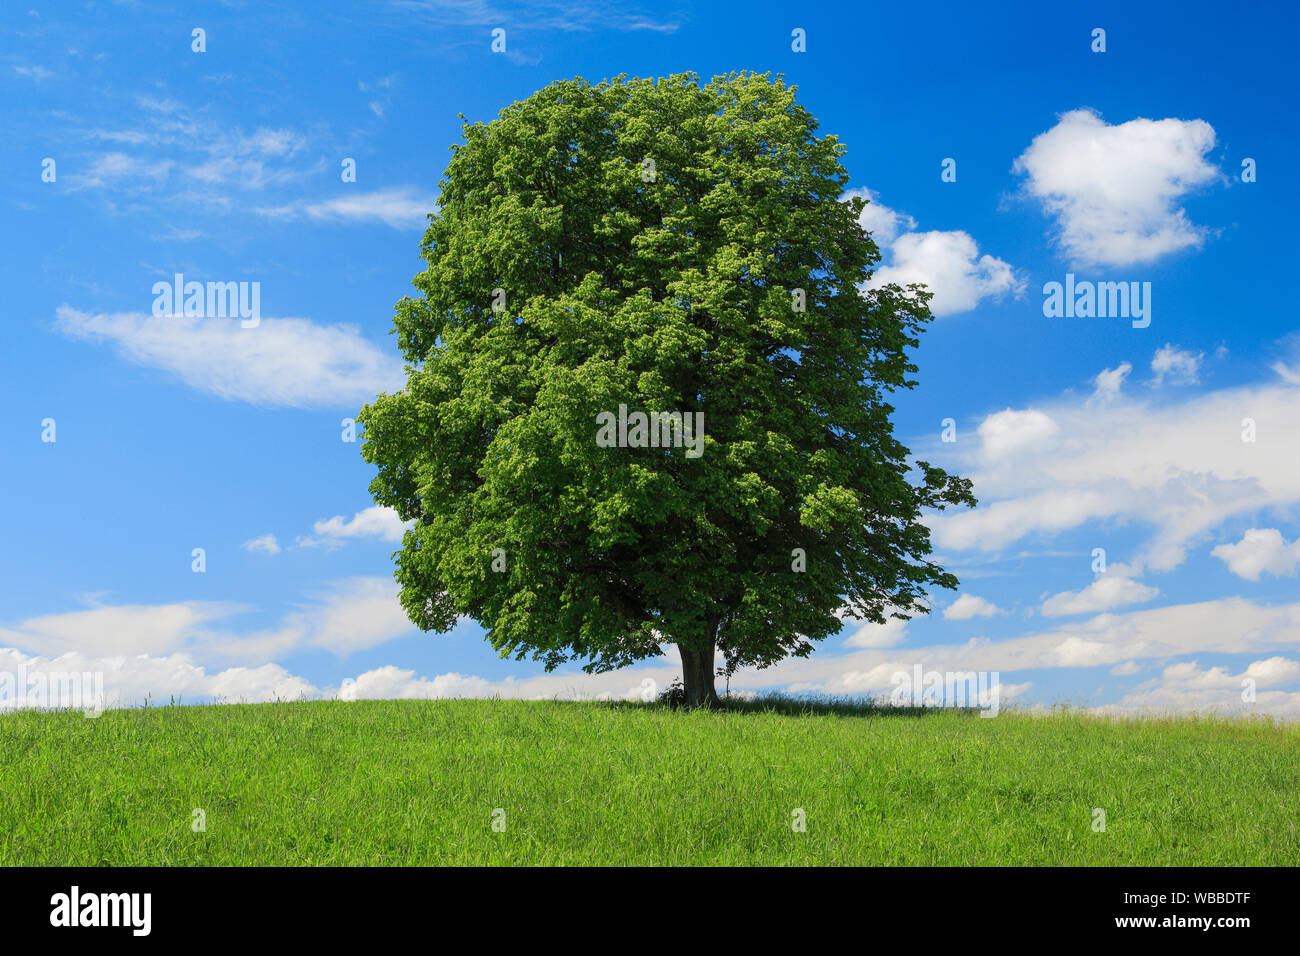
(565, 15)
(119, 169)
(401, 208)
(264, 544)
(1176, 366)
(36, 73)
(282, 362)
(162, 143)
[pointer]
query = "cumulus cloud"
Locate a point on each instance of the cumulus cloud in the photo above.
(342, 617)
(1120, 642)
(868, 634)
(1260, 550)
(127, 681)
(1177, 366)
(967, 606)
(390, 682)
(400, 208)
(884, 224)
(281, 362)
(1273, 672)
(1230, 626)
(949, 263)
(1006, 432)
(1186, 687)
(1107, 592)
(1114, 190)
(1179, 468)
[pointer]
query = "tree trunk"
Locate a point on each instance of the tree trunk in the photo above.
(697, 675)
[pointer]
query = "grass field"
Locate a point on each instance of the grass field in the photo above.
(416, 782)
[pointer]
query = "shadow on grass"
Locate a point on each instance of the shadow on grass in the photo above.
(788, 705)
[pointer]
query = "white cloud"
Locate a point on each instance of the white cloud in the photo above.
(351, 615)
(1114, 190)
(1007, 432)
(949, 263)
(1116, 641)
(1289, 375)
(1260, 550)
(119, 168)
(207, 156)
(1178, 467)
(36, 73)
(401, 208)
(883, 223)
(1107, 592)
(1229, 626)
(869, 634)
(376, 521)
(1110, 381)
(967, 606)
(390, 682)
(1185, 687)
(130, 680)
(343, 617)
(281, 362)
(266, 544)
(1179, 366)
(123, 629)
(1273, 672)
(565, 15)
(272, 142)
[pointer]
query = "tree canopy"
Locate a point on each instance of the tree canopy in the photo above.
(654, 246)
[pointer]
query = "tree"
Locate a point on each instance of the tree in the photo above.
(635, 247)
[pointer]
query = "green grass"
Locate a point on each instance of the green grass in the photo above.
(416, 782)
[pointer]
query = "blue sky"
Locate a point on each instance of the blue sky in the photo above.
(1080, 433)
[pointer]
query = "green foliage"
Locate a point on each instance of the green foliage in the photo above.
(667, 295)
(377, 783)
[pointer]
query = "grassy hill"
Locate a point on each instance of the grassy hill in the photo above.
(417, 782)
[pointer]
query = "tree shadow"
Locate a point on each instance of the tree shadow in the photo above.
(818, 705)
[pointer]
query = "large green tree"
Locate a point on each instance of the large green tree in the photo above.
(666, 246)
